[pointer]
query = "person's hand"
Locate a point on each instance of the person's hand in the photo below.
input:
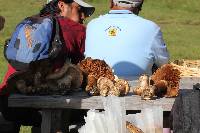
(2, 21)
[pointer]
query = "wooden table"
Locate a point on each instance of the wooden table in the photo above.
(53, 105)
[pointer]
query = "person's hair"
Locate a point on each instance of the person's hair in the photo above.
(140, 6)
(52, 7)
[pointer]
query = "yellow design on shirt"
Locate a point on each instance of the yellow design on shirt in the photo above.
(28, 31)
(112, 32)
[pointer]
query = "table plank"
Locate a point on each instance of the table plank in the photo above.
(80, 100)
(132, 102)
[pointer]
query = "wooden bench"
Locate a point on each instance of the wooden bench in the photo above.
(53, 105)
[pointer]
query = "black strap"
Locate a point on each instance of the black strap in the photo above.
(57, 28)
(57, 44)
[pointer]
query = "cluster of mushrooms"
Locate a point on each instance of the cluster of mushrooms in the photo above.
(41, 81)
(100, 79)
(97, 78)
(163, 83)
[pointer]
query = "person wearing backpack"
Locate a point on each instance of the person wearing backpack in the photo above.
(70, 15)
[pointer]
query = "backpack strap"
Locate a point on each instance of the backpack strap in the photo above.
(57, 44)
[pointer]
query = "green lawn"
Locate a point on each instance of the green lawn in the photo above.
(178, 19)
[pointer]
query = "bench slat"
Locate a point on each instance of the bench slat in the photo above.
(132, 102)
(80, 100)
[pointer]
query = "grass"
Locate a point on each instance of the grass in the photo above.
(178, 19)
(25, 129)
(14, 12)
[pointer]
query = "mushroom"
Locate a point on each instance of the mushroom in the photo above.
(168, 76)
(97, 68)
(105, 85)
(161, 88)
(114, 91)
(143, 84)
(172, 92)
(148, 93)
(91, 87)
(123, 86)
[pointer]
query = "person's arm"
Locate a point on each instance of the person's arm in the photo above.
(159, 48)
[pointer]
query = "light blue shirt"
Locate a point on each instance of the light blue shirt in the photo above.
(128, 43)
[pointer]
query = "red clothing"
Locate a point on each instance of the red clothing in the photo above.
(9, 72)
(74, 38)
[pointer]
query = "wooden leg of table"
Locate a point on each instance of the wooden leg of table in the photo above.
(65, 120)
(35, 130)
(53, 122)
(46, 121)
(56, 121)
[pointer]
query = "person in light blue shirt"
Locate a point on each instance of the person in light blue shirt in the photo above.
(130, 44)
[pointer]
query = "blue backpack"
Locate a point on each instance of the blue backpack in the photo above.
(35, 38)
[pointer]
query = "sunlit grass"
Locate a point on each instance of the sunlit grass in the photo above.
(179, 21)
(25, 129)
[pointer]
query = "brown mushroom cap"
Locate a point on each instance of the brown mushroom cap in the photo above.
(148, 93)
(137, 91)
(92, 85)
(97, 67)
(123, 86)
(172, 92)
(91, 81)
(161, 88)
(104, 85)
(170, 74)
(114, 91)
(143, 84)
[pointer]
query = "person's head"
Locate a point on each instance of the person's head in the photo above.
(76, 10)
(2, 21)
(134, 6)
